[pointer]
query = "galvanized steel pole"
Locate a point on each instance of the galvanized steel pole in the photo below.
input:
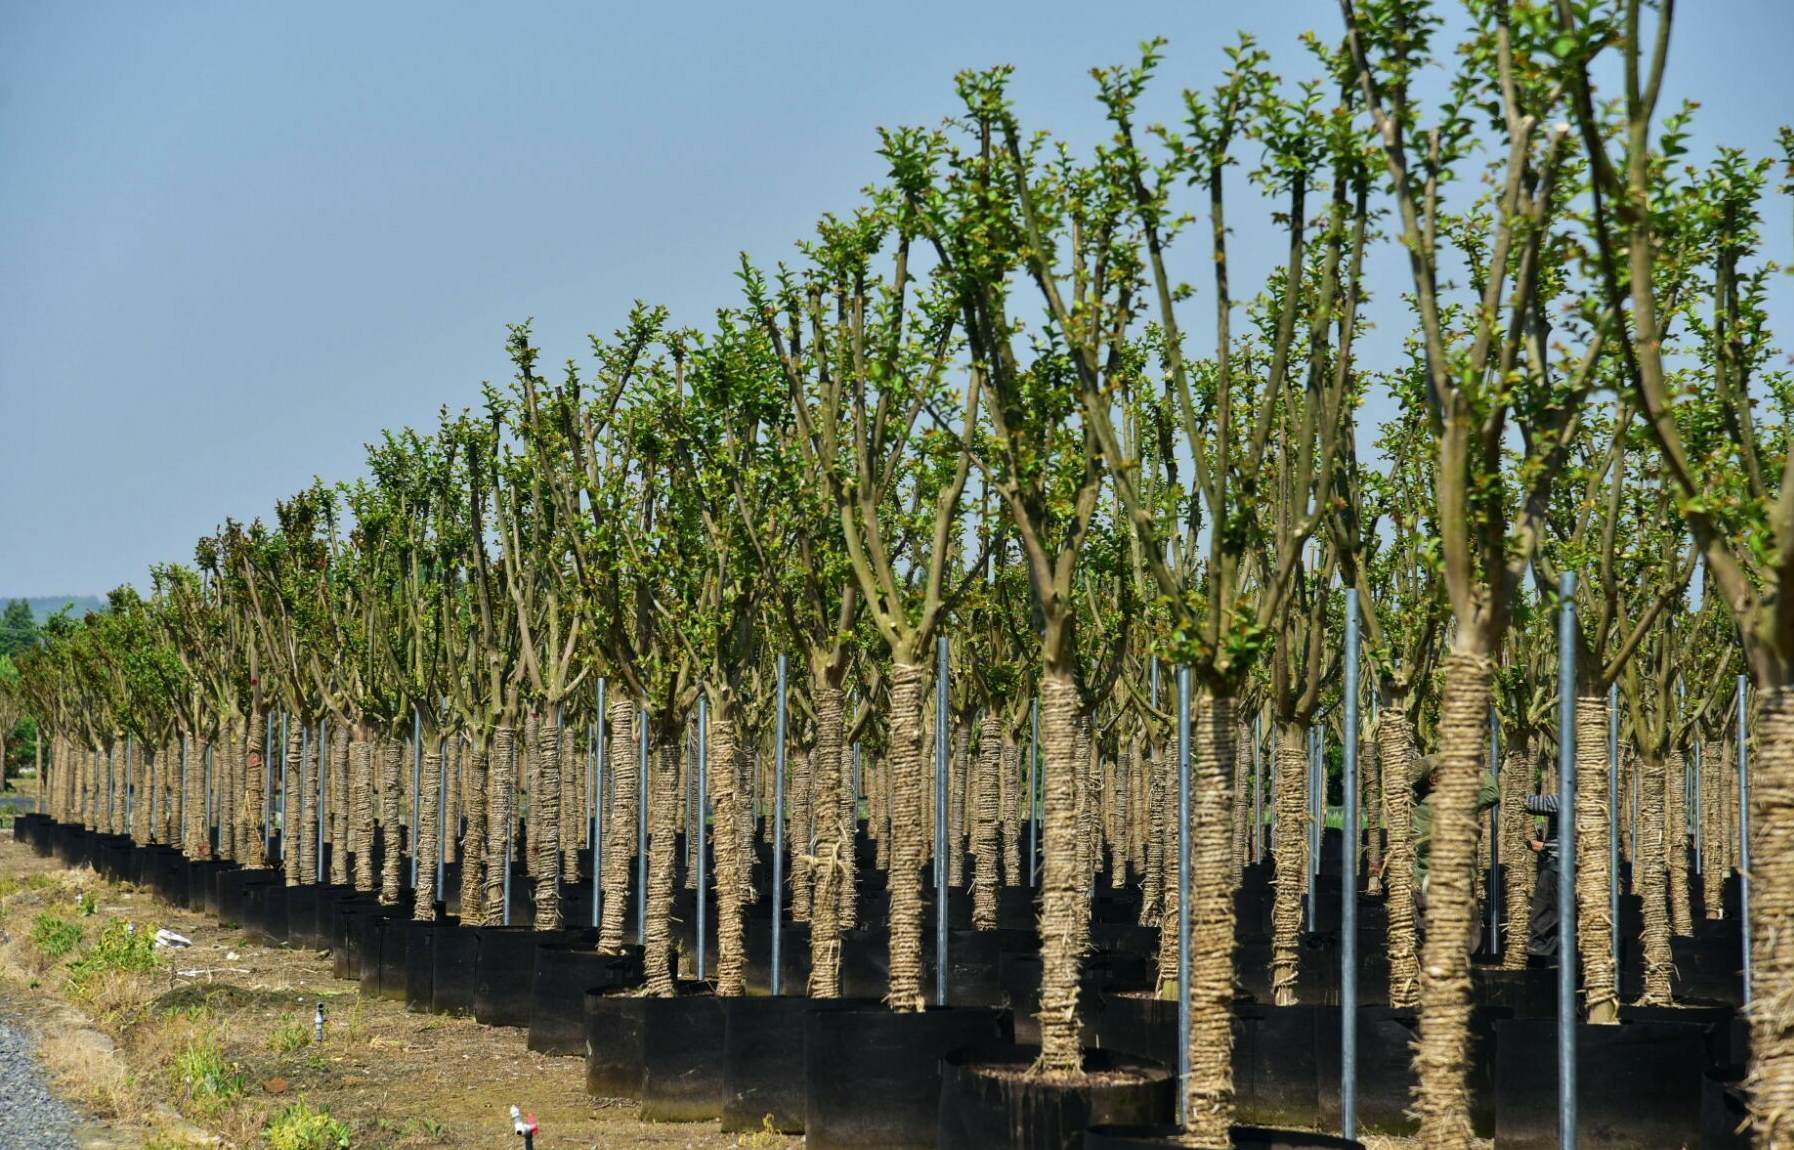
(778, 827)
(1744, 827)
(941, 800)
(696, 832)
(1183, 892)
(1566, 862)
(1348, 887)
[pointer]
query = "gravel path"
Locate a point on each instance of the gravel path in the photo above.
(30, 1116)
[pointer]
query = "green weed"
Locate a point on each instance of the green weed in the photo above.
(290, 1036)
(208, 1080)
(54, 935)
(299, 1127)
(118, 948)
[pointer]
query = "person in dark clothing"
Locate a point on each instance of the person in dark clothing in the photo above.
(1541, 940)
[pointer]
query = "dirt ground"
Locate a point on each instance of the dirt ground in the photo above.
(395, 1078)
(122, 1044)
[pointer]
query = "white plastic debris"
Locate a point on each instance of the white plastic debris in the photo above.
(170, 938)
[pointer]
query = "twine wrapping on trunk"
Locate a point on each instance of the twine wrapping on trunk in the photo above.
(1372, 805)
(1442, 1050)
(1714, 862)
(663, 822)
(1770, 1082)
(255, 732)
(1152, 892)
(1395, 751)
(545, 825)
(622, 811)
(823, 862)
(292, 806)
(361, 787)
(1594, 927)
(1651, 875)
(725, 802)
(1681, 910)
(1063, 933)
(473, 836)
(1011, 785)
(1209, 1101)
(802, 833)
(390, 755)
(501, 800)
(1291, 852)
(1519, 864)
(984, 825)
(907, 835)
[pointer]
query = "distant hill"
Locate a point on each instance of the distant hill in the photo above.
(44, 606)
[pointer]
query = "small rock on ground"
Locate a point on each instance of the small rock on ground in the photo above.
(30, 1116)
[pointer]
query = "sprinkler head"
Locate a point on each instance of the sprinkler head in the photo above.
(317, 1025)
(524, 1126)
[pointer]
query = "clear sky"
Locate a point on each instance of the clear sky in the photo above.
(236, 240)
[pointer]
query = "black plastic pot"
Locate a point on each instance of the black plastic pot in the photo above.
(506, 970)
(1244, 1138)
(614, 1044)
(1386, 1080)
(794, 956)
(420, 962)
(346, 921)
(234, 887)
(454, 958)
(682, 1056)
(267, 911)
(563, 975)
(395, 942)
(1530, 992)
(873, 1078)
(202, 885)
(763, 1059)
(1724, 1107)
(1639, 1084)
(1136, 1023)
(302, 916)
(979, 1109)
(370, 939)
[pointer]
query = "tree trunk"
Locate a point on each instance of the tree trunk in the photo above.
(1675, 842)
(501, 815)
(622, 811)
(1594, 928)
(545, 823)
(1771, 1078)
(309, 815)
(361, 792)
(1442, 1051)
(1241, 807)
(664, 801)
(341, 837)
(907, 835)
(802, 833)
(958, 758)
(1011, 782)
(1713, 840)
(1520, 864)
(1063, 935)
(473, 837)
(1152, 894)
(984, 826)
(725, 803)
(1209, 1088)
(575, 802)
(832, 840)
(254, 849)
(1291, 849)
(1395, 751)
(1651, 873)
(1370, 766)
(292, 805)
(391, 764)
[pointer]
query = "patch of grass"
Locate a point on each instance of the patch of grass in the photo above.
(206, 1078)
(300, 1127)
(55, 936)
(86, 905)
(118, 948)
(289, 1036)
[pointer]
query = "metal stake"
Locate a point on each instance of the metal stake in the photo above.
(1183, 893)
(1566, 862)
(1034, 791)
(696, 833)
(1348, 887)
(778, 828)
(941, 844)
(1613, 818)
(598, 813)
(417, 770)
(1744, 827)
(1495, 835)
(323, 773)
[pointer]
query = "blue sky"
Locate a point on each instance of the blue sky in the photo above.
(239, 239)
